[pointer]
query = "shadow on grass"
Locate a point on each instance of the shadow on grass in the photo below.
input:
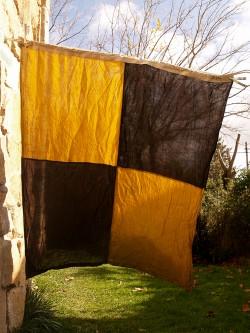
(155, 319)
(100, 272)
(157, 306)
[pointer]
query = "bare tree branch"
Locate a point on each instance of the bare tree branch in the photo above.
(198, 34)
(229, 171)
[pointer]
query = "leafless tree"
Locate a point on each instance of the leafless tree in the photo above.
(68, 23)
(198, 34)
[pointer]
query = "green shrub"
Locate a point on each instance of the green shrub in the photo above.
(237, 214)
(223, 226)
(210, 226)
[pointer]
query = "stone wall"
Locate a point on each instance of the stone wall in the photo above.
(17, 16)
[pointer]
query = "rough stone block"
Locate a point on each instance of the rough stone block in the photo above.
(18, 253)
(4, 221)
(6, 263)
(15, 307)
(3, 325)
(12, 263)
(17, 219)
(3, 192)
(2, 168)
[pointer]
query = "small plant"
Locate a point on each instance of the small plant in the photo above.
(39, 315)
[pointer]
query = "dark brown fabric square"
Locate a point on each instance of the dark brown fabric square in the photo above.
(170, 123)
(67, 211)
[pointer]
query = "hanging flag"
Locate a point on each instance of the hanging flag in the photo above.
(115, 158)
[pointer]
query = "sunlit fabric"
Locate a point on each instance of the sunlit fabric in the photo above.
(154, 222)
(115, 158)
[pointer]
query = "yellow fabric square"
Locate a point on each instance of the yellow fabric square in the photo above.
(153, 226)
(71, 107)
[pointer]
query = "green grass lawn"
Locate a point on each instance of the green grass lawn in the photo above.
(113, 299)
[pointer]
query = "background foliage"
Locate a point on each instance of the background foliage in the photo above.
(223, 228)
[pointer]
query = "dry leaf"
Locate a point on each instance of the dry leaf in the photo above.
(241, 285)
(213, 293)
(195, 283)
(245, 308)
(229, 277)
(69, 278)
(142, 329)
(211, 314)
(247, 290)
(140, 289)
